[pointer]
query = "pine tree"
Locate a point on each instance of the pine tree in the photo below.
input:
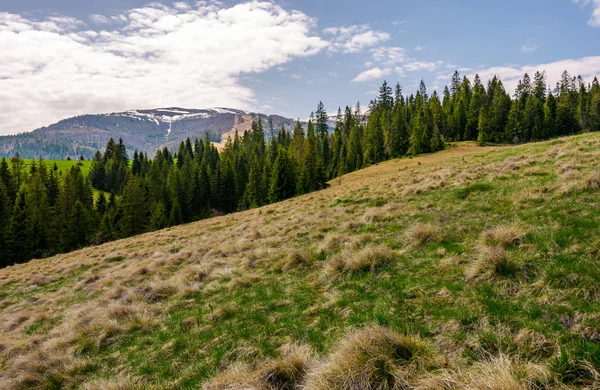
(158, 218)
(101, 204)
(134, 207)
(5, 217)
(482, 128)
(37, 217)
(283, 178)
(550, 116)
(7, 180)
(175, 218)
(20, 244)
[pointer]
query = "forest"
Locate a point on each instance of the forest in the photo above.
(45, 212)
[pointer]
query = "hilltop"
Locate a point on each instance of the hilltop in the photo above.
(475, 267)
(141, 130)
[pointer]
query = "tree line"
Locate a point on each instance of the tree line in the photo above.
(44, 211)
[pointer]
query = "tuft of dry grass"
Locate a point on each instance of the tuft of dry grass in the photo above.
(371, 358)
(239, 376)
(298, 258)
(223, 313)
(498, 373)
(504, 236)
(283, 373)
(333, 242)
(288, 371)
(369, 258)
(492, 263)
(424, 233)
(502, 373)
(593, 181)
(121, 382)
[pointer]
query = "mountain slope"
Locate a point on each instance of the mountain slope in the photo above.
(473, 268)
(142, 130)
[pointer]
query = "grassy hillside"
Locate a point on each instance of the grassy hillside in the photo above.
(474, 268)
(63, 165)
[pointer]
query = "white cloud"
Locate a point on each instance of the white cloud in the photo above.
(529, 48)
(594, 20)
(371, 74)
(155, 56)
(587, 67)
(99, 19)
(393, 60)
(355, 38)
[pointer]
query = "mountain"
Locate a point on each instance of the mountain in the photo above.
(142, 130)
(472, 268)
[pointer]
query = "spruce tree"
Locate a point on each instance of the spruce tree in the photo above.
(158, 218)
(5, 217)
(283, 178)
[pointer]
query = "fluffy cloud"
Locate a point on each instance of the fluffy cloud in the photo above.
(587, 67)
(354, 39)
(152, 56)
(529, 48)
(371, 74)
(387, 60)
(595, 18)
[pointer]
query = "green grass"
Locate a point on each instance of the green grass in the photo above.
(63, 165)
(551, 293)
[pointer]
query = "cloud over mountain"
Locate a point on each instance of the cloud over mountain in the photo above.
(152, 56)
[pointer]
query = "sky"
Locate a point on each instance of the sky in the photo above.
(61, 58)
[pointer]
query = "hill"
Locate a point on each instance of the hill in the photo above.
(141, 130)
(472, 268)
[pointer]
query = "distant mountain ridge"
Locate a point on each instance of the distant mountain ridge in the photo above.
(142, 130)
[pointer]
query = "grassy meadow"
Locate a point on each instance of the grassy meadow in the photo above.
(62, 165)
(472, 268)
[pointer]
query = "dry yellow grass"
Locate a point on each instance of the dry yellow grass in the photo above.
(504, 235)
(424, 233)
(371, 358)
(57, 312)
(366, 259)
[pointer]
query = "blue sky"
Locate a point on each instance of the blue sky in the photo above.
(69, 57)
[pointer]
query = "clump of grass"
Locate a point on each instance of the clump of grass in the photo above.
(424, 233)
(505, 236)
(224, 313)
(370, 258)
(593, 182)
(498, 373)
(333, 242)
(298, 258)
(120, 382)
(238, 376)
(573, 371)
(115, 259)
(502, 373)
(463, 193)
(492, 263)
(371, 358)
(287, 372)
(283, 373)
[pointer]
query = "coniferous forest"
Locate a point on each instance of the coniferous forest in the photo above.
(44, 211)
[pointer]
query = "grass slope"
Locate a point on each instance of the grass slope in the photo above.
(474, 268)
(62, 165)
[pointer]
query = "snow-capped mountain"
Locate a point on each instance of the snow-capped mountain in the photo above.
(143, 130)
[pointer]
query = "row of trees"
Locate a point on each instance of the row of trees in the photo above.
(398, 125)
(44, 211)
